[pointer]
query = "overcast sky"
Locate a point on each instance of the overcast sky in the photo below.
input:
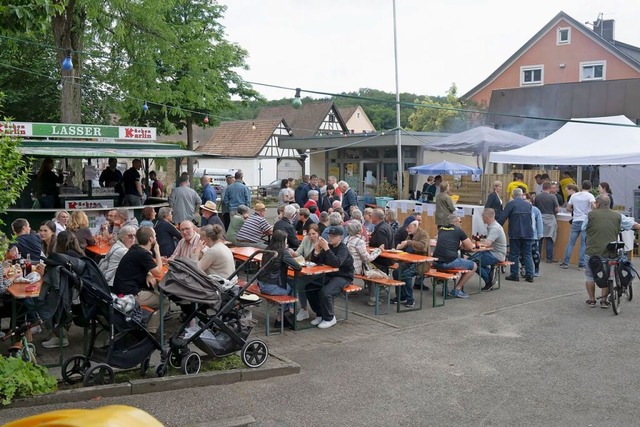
(342, 45)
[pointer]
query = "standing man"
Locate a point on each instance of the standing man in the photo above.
(581, 203)
(137, 273)
(237, 194)
(518, 212)
(548, 205)
(132, 184)
(226, 215)
(312, 185)
(184, 200)
(602, 226)
(321, 295)
(518, 178)
(300, 190)
(539, 182)
(567, 179)
(349, 196)
(111, 176)
(208, 192)
(497, 240)
(157, 188)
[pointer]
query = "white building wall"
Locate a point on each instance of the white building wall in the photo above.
(359, 122)
(250, 168)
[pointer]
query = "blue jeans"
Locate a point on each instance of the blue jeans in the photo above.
(273, 289)
(456, 264)
(405, 272)
(486, 260)
(576, 229)
(522, 247)
(548, 247)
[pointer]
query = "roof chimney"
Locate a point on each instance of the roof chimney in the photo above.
(605, 28)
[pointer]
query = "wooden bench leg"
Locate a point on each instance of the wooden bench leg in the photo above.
(444, 284)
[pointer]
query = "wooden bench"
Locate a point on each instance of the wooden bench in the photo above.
(276, 300)
(440, 278)
(378, 283)
(349, 289)
(497, 272)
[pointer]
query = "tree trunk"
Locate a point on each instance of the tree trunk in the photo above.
(190, 146)
(68, 30)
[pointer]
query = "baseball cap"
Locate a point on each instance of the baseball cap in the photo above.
(259, 207)
(336, 231)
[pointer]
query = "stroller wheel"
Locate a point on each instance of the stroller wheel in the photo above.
(175, 358)
(161, 370)
(74, 368)
(144, 366)
(99, 375)
(191, 364)
(255, 353)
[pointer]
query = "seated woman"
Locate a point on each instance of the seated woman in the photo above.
(79, 225)
(273, 279)
(109, 264)
(61, 219)
(212, 255)
(358, 249)
(148, 214)
(236, 223)
(47, 232)
(305, 249)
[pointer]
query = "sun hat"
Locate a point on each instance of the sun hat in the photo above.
(210, 206)
(259, 207)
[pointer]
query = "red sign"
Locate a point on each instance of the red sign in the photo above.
(13, 129)
(137, 133)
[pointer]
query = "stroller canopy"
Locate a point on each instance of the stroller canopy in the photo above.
(187, 281)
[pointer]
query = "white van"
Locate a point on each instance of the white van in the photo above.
(217, 177)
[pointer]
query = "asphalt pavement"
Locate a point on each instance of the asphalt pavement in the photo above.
(527, 354)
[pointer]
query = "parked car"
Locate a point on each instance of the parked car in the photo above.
(270, 190)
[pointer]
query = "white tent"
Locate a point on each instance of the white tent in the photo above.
(612, 140)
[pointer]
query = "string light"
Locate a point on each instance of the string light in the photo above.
(67, 64)
(206, 119)
(253, 126)
(297, 102)
(145, 107)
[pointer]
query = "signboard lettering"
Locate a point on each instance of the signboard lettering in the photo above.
(62, 130)
(88, 204)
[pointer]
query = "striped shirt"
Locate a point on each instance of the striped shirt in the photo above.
(253, 228)
(184, 248)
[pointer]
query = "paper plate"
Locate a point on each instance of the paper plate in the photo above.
(249, 297)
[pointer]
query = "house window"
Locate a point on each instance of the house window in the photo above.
(593, 70)
(531, 75)
(564, 36)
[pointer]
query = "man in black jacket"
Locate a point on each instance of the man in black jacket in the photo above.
(382, 235)
(518, 212)
(320, 295)
(286, 225)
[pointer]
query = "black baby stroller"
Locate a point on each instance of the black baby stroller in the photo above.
(221, 314)
(82, 290)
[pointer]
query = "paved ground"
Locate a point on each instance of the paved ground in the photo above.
(528, 354)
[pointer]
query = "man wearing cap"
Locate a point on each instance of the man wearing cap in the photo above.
(254, 229)
(210, 214)
(237, 194)
(183, 200)
(333, 253)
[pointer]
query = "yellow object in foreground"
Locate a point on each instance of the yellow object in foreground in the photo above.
(455, 198)
(107, 416)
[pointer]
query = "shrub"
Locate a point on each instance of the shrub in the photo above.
(23, 379)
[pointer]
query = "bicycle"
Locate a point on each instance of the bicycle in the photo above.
(23, 349)
(623, 272)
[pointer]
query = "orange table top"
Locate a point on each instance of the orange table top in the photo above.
(402, 256)
(242, 253)
(100, 250)
(18, 290)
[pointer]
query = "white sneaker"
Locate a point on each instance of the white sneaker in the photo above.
(302, 315)
(316, 321)
(328, 323)
(54, 342)
(36, 330)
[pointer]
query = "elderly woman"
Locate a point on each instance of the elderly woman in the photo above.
(493, 200)
(109, 264)
(212, 255)
(148, 214)
(391, 216)
(356, 215)
(444, 204)
(304, 250)
(236, 223)
(358, 249)
(79, 225)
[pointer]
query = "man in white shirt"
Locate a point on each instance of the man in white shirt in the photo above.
(580, 204)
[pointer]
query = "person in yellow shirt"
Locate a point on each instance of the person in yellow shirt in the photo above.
(564, 182)
(518, 178)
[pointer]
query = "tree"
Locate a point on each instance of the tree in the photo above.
(443, 114)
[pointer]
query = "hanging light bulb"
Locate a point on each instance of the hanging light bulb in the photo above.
(297, 102)
(59, 86)
(253, 126)
(206, 120)
(67, 64)
(145, 107)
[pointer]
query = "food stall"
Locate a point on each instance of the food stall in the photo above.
(65, 142)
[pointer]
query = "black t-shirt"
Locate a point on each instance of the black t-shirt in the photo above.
(111, 178)
(130, 177)
(131, 275)
(449, 238)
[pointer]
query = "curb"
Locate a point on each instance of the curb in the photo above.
(153, 385)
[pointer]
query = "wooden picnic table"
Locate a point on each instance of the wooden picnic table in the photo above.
(101, 249)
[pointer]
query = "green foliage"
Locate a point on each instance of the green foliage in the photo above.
(386, 189)
(230, 362)
(23, 379)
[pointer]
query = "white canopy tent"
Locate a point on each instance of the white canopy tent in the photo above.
(612, 140)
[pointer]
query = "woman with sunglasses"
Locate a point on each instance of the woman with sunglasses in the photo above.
(109, 264)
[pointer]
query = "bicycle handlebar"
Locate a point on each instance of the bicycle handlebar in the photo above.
(22, 329)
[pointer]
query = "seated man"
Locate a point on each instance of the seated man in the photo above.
(417, 242)
(189, 242)
(304, 221)
(321, 294)
(495, 239)
(121, 219)
(285, 225)
(27, 243)
(210, 214)
(450, 239)
(254, 228)
(136, 274)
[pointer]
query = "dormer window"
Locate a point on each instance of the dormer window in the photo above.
(564, 36)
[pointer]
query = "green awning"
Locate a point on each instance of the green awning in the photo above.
(100, 150)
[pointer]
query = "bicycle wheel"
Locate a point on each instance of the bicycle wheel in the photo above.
(614, 294)
(628, 291)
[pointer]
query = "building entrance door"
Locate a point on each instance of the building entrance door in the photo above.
(369, 178)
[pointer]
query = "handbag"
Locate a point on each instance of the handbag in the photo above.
(373, 273)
